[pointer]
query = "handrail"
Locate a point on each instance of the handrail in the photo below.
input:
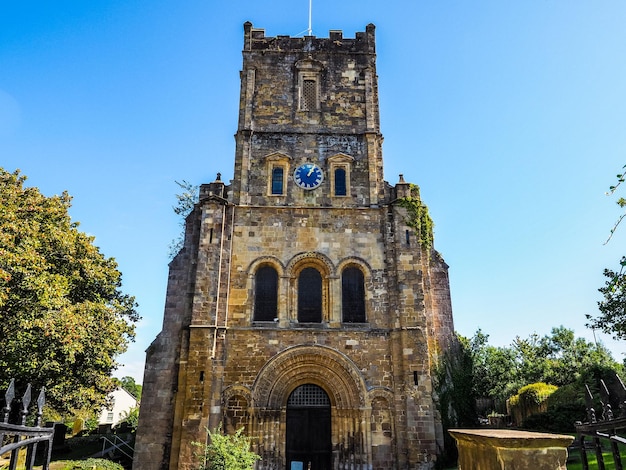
(116, 446)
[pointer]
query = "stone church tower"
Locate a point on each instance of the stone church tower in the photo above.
(308, 305)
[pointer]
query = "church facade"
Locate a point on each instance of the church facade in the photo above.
(308, 305)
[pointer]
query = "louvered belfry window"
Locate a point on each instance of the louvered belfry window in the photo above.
(308, 100)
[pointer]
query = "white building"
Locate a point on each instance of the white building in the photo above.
(120, 404)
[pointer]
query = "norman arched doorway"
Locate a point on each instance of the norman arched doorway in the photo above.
(276, 400)
(308, 443)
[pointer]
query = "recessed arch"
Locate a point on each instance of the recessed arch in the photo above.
(314, 364)
(266, 260)
(318, 269)
(264, 288)
(362, 264)
(355, 275)
(310, 258)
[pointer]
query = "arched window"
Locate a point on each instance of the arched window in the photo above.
(277, 180)
(352, 296)
(340, 181)
(310, 296)
(265, 294)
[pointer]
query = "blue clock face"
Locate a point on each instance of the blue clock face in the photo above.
(308, 176)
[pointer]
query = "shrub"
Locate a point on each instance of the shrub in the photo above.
(130, 420)
(226, 452)
(530, 399)
(560, 419)
(91, 464)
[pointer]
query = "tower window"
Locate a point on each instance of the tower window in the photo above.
(310, 296)
(276, 165)
(265, 294)
(340, 165)
(308, 100)
(277, 180)
(352, 296)
(340, 182)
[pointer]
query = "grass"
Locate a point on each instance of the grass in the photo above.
(574, 461)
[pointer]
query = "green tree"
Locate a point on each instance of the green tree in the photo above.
(612, 318)
(130, 418)
(570, 357)
(226, 452)
(63, 317)
(128, 383)
(454, 385)
(496, 372)
(185, 202)
(557, 359)
(621, 202)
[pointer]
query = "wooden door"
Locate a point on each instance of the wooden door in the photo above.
(308, 429)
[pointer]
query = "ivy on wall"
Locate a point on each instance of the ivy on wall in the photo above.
(418, 217)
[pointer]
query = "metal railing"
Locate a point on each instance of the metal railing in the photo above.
(117, 444)
(17, 436)
(603, 429)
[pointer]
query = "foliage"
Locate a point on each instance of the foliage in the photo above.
(91, 423)
(531, 399)
(91, 464)
(63, 317)
(621, 202)
(495, 369)
(128, 383)
(559, 419)
(532, 394)
(78, 443)
(130, 418)
(557, 359)
(453, 386)
(418, 217)
(185, 202)
(612, 307)
(570, 394)
(612, 319)
(226, 452)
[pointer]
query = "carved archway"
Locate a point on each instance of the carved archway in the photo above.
(313, 364)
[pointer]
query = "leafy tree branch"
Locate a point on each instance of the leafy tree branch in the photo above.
(63, 317)
(185, 202)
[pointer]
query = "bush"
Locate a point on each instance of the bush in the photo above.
(569, 394)
(129, 421)
(560, 419)
(226, 452)
(530, 399)
(91, 464)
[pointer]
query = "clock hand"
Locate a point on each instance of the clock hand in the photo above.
(310, 171)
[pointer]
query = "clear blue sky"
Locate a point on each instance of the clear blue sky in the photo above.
(510, 116)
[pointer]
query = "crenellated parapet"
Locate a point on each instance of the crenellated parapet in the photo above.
(255, 40)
